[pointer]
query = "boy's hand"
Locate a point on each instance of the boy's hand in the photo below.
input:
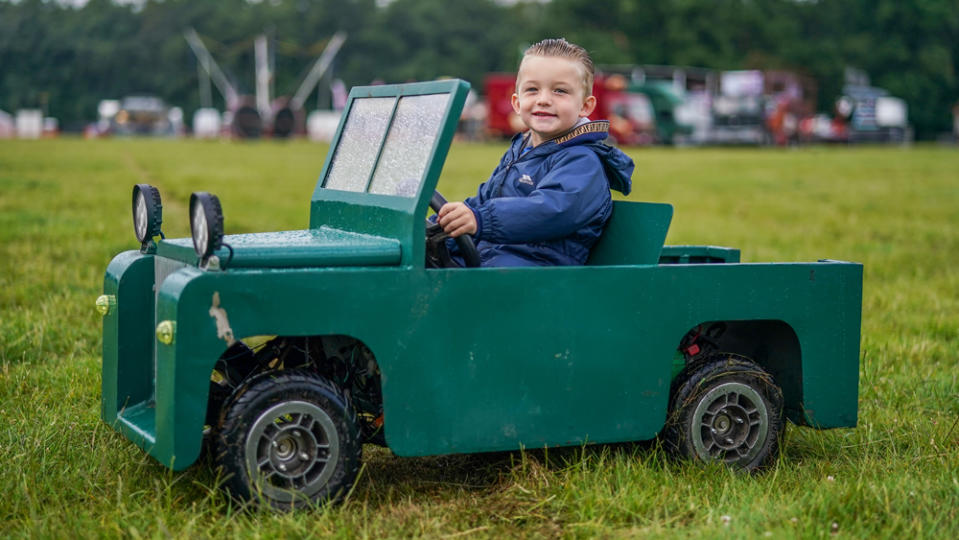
(457, 219)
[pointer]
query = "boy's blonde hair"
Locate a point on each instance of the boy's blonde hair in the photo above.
(561, 48)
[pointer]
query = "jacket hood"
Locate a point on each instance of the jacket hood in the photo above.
(617, 166)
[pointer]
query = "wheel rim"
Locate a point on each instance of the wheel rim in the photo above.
(730, 424)
(292, 449)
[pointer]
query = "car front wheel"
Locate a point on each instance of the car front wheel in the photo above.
(289, 439)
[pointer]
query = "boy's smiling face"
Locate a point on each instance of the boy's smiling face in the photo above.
(551, 96)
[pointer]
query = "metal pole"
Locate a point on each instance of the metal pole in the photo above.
(210, 66)
(318, 69)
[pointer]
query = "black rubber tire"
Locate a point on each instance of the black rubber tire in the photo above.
(297, 427)
(725, 408)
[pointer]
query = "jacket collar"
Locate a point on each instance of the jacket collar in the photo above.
(584, 132)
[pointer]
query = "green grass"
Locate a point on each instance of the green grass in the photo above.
(65, 211)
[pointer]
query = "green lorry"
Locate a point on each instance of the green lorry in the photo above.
(282, 353)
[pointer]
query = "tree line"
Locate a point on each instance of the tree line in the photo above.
(65, 59)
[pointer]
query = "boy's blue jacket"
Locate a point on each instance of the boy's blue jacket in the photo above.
(548, 205)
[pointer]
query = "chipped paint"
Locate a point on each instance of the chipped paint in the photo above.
(223, 330)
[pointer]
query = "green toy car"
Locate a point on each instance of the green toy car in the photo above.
(284, 352)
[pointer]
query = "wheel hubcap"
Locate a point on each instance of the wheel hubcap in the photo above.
(292, 448)
(730, 424)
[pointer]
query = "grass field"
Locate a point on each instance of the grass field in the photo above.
(65, 212)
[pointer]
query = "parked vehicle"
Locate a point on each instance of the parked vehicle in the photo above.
(870, 114)
(739, 113)
(283, 352)
(665, 102)
(138, 115)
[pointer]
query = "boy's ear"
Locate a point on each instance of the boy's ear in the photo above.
(514, 101)
(589, 105)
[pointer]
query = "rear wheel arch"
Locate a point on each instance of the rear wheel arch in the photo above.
(771, 343)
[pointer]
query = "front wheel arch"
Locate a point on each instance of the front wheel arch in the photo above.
(342, 358)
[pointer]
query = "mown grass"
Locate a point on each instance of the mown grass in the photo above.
(64, 212)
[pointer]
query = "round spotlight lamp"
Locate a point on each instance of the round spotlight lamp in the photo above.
(206, 223)
(147, 213)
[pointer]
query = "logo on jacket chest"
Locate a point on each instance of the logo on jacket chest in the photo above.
(525, 179)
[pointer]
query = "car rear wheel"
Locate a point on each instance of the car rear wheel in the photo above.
(725, 408)
(289, 439)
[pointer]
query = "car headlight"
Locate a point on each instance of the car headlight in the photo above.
(206, 223)
(147, 213)
(165, 332)
(106, 303)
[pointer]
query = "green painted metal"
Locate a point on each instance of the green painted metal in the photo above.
(471, 359)
(587, 357)
(128, 334)
(634, 234)
(698, 254)
(322, 246)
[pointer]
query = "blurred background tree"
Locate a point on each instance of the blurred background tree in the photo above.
(65, 59)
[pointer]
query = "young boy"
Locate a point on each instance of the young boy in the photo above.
(548, 200)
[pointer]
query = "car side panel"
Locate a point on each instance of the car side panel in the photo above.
(559, 356)
(499, 359)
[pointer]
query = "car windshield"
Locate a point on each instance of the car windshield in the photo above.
(386, 144)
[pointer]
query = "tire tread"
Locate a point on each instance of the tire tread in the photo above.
(274, 387)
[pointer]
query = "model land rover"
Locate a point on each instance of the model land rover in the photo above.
(284, 352)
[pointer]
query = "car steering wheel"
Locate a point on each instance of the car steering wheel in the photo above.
(464, 241)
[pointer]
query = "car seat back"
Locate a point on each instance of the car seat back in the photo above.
(634, 234)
